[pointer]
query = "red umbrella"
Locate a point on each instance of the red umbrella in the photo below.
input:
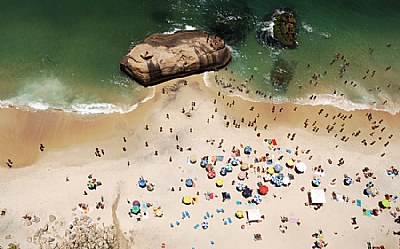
(263, 190)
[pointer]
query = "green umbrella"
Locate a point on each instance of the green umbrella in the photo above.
(135, 209)
(385, 203)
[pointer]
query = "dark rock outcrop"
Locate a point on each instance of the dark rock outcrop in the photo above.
(166, 56)
(279, 30)
(282, 74)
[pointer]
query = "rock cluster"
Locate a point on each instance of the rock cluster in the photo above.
(166, 56)
(83, 232)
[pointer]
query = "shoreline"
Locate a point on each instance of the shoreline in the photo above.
(70, 141)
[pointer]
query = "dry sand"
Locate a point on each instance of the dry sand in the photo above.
(36, 184)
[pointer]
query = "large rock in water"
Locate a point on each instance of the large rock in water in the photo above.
(279, 30)
(166, 56)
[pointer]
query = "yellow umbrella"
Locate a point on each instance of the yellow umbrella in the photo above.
(187, 200)
(290, 163)
(244, 167)
(271, 170)
(239, 214)
(220, 182)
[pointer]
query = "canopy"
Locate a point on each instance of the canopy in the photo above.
(239, 214)
(136, 203)
(229, 168)
(263, 190)
(301, 167)
(235, 161)
(347, 181)
(189, 182)
(203, 162)
(219, 183)
(317, 196)
(187, 200)
(253, 215)
(316, 182)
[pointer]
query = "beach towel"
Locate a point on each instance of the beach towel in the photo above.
(220, 158)
(293, 220)
(367, 213)
(358, 203)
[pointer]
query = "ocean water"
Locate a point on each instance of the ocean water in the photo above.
(65, 54)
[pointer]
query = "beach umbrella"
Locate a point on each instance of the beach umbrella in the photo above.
(219, 183)
(242, 175)
(209, 167)
(203, 162)
(223, 171)
(235, 161)
(301, 167)
(247, 192)
(368, 191)
(239, 187)
(150, 187)
(204, 224)
(290, 163)
(135, 209)
(187, 200)
(239, 214)
(316, 182)
(270, 170)
(229, 168)
(347, 181)
(244, 167)
(247, 150)
(211, 174)
(285, 180)
(193, 159)
(277, 168)
(136, 203)
(263, 190)
(142, 183)
(257, 199)
(189, 182)
(385, 203)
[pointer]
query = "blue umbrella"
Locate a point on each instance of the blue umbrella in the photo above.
(189, 182)
(247, 192)
(203, 162)
(204, 224)
(278, 168)
(235, 161)
(247, 150)
(257, 199)
(239, 187)
(223, 171)
(142, 183)
(347, 181)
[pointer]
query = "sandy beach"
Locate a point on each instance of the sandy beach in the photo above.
(46, 201)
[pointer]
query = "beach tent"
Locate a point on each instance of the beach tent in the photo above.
(253, 215)
(223, 171)
(301, 167)
(244, 167)
(317, 196)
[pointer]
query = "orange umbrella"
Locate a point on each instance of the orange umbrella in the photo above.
(263, 190)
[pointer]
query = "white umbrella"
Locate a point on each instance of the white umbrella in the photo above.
(286, 180)
(301, 167)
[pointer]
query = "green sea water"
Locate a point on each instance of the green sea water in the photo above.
(65, 54)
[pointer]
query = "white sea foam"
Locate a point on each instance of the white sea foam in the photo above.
(307, 27)
(186, 27)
